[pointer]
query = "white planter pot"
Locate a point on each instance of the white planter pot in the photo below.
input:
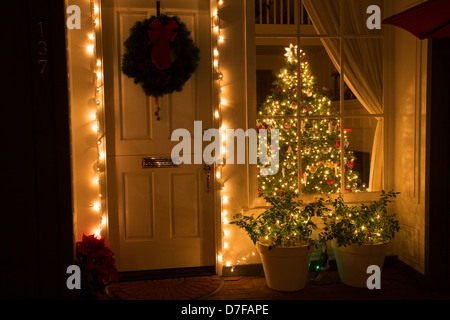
(352, 261)
(285, 268)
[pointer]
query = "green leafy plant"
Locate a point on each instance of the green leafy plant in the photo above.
(363, 224)
(287, 222)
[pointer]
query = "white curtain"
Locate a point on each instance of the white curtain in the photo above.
(363, 68)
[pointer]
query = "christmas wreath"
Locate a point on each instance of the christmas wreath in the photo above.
(160, 55)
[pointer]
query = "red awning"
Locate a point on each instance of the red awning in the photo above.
(430, 19)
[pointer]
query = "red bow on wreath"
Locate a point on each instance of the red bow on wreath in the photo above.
(161, 36)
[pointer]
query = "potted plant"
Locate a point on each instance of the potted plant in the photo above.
(97, 266)
(359, 236)
(282, 234)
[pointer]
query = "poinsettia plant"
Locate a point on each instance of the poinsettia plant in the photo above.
(97, 264)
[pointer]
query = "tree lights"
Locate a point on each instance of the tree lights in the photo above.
(310, 135)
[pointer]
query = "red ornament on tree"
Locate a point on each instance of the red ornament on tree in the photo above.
(287, 125)
(338, 144)
(330, 181)
(350, 164)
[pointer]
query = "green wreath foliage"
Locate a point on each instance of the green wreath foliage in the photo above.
(137, 59)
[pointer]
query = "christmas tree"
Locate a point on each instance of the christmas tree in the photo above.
(320, 138)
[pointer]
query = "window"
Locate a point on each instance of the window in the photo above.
(330, 118)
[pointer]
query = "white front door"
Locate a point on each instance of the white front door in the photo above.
(159, 218)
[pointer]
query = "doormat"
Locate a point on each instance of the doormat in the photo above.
(184, 288)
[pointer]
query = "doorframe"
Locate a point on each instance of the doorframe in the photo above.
(38, 232)
(437, 237)
(215, 187)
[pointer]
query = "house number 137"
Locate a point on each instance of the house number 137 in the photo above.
(42, 50)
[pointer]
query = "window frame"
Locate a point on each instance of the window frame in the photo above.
(349, 197)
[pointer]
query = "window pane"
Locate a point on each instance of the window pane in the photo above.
(325, 15)
(363, 72)
(283, 176)
(276, 81)
(320, 78)
(359, 153)
(320, 156)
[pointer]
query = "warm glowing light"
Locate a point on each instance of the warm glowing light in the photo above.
(220, 258)
(91, 36)
(216, 52)
(221, 39)
(95, 9)
(223, 101)
(216, 114)
(97, 206)
(218, 174)
(225, 199)
(98, 233)
(101, 155)
(99, 63)
(225, 245)
(216, 63)
(95, 128)
(90, 48)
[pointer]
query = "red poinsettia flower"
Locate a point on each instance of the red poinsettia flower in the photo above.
(96, 261)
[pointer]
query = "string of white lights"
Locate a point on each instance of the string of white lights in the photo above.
(96, 117)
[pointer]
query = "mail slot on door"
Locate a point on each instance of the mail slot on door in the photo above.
(158, 162)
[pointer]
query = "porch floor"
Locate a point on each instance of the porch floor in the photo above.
(395, 285)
